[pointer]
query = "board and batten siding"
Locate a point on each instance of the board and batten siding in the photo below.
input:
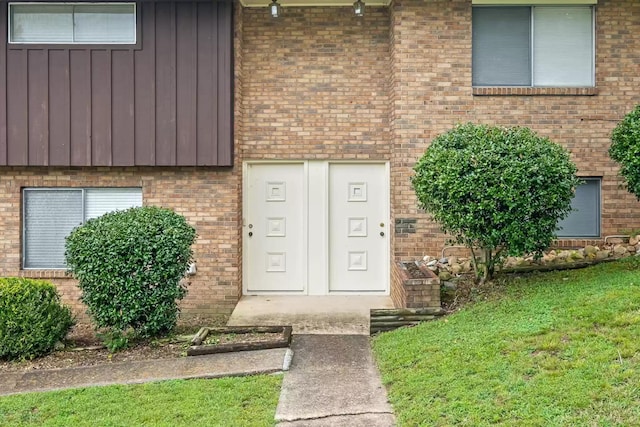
(165, 102)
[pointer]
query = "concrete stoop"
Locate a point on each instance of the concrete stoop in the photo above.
(334, 315)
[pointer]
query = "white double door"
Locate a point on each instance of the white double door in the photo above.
(316, 227)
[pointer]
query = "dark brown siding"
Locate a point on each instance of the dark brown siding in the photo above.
(166, 102)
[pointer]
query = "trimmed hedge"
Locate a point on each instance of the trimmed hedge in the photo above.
(32, 320)
(129, 265)
(501, 190)
(625, 150)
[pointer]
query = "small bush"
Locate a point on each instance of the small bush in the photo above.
(625, 149)
(501, 190)
(32, 320)
(129, 265)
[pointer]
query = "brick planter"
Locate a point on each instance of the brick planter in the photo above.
(416, 286)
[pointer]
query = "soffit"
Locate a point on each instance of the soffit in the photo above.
(309, 3)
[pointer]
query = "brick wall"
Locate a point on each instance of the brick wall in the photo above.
(431, 81)
(206, 197)
(315, 84)
(320, 83)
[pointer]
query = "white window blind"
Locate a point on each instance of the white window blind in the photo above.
(49, 217)
(99, 201)
(51, 214)
(44, 23)
(69, 23)
(104, 23)
(563, 46)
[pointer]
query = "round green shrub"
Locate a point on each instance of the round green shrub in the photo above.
(129, 265)
(502, 190)
(32, 320)
(625, 150)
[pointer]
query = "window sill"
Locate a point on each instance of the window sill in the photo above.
(45, 274)
(534, 91)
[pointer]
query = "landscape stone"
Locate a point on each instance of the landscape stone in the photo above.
(603, 254)
(620, 250)
(455, 268)
(577, 255)
(590, 250)
(445, 275)
(634, 240)
(466, 266)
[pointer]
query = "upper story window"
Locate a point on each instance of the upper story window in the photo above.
(534, 46)
(72, 23)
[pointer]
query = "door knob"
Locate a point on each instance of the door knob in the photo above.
(250, 233)
(382, 233)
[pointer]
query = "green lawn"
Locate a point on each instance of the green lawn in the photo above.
(245, 401)
(554, 349)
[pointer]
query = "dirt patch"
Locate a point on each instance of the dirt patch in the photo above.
(220, 339)
(82, 347)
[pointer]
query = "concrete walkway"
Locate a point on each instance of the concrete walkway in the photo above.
(333, 381)
(209, 366)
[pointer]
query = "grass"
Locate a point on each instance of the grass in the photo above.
(243, 401)
(554, 349)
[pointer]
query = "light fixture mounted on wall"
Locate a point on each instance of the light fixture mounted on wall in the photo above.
(358, 8)
(275, 9)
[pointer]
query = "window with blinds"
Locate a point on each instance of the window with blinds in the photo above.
(535, 46)
(584, 219)
(69, 23)
(50, 214)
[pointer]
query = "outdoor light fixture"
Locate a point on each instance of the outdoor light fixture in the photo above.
(275, 9)
(358, 8)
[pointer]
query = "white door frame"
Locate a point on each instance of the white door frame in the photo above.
(317, 277)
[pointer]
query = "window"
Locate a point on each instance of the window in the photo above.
(49, 215)
(584, 220)
(535, 46)
(71, 23)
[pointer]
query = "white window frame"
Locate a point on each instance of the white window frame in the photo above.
(533, 5)
(128, 42)
(83, 191)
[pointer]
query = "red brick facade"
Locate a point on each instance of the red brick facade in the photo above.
(320, 83)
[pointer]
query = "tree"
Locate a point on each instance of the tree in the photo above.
(499, 191)
(625, 150)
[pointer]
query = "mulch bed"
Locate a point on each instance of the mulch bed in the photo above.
(84, 348)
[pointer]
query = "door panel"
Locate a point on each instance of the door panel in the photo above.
(275, 228)
(358, 224)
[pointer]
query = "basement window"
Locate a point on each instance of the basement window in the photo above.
(72, 23)
(584, 219)
(50, 214)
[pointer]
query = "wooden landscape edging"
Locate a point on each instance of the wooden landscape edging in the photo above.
(197, 348)
(384, 319)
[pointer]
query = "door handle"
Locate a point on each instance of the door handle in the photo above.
(250, 233)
